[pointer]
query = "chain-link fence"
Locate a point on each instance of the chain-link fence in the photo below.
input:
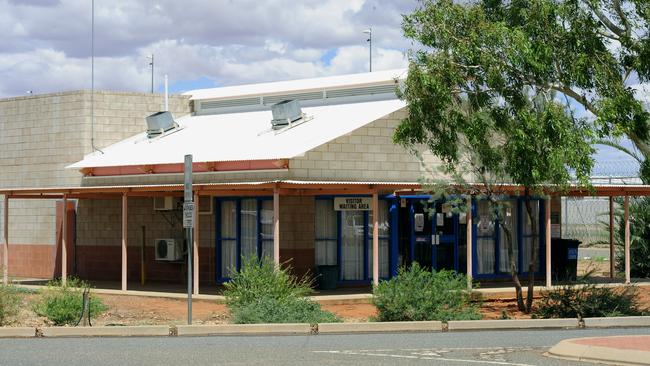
(587, 218)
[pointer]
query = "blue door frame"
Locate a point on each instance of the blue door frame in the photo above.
(219, 239)
(394, 223)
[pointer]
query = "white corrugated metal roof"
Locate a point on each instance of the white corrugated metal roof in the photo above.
(338, 81)
(240, 136)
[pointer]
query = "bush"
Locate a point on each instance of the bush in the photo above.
(288, 310)
(418, 294)
(10, 300)
(587, 300)
(63, 304)
(261, 294)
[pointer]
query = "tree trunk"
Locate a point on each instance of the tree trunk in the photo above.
(532, 265)
(513, 268)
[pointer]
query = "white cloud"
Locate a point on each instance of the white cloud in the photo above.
(46, 43)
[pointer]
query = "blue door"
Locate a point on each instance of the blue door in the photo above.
(433, 234)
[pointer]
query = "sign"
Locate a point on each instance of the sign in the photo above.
(352, 203)
(188, 215)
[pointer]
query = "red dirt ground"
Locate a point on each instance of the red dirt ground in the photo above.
(132, 310)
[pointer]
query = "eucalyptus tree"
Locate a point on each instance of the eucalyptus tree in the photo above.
(491, 86)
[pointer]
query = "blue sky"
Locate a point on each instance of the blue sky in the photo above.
(46, 45)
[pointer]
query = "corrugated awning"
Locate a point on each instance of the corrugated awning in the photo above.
(302, 187)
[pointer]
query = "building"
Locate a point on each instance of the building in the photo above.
(325, 187)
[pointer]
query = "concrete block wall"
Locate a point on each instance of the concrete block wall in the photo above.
(297, 233)
(366, 154)
(99, 240)
(98, 247)
(41, 134)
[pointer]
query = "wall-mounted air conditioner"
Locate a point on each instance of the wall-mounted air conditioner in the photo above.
(168, 250)
(163, 203)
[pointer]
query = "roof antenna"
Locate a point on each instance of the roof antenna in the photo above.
(92, 80)
(166, 107)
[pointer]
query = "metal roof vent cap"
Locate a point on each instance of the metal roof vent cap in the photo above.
(159, 123)
(285, 113)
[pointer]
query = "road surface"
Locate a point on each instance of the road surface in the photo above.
(509, 348)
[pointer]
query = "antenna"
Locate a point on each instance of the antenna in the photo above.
(92, 80)
(166, 94)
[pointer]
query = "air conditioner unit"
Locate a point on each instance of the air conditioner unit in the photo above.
(163, 203)
(168, 250)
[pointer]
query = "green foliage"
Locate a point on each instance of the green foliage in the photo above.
(63, 304)
(639, 238)
(486, 69)
(418, 294)
(588, 300)
(287, 310)
(261, 294)
(10, 301)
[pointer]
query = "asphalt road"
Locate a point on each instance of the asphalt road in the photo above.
(455, 348)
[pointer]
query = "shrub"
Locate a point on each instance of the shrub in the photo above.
(63, 304)
(10, 300)
(288, 310)
(418, 294)
(588, 300)
(261, 294)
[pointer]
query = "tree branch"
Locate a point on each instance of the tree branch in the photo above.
(621, 14)
(575, 96)
(606, 22)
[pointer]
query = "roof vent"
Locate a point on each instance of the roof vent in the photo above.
(285, 113)
(159, 123)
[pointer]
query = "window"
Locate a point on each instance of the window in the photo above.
(245, 228)
(348, 235)
(492, 257)
(326, 232)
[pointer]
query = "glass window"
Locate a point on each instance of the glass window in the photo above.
(326, 233)
(528, 237)
(248, 228)
(352, 233)
(266, 222)
(509, 223)
(486, 240)
(384, 240)
(228, 238)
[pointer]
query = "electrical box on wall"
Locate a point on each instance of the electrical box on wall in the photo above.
(419, 222)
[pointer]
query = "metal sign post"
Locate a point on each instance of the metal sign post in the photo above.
(188, 224)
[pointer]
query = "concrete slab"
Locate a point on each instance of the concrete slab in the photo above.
(17, 332)
(622, 321)
(512, 324)
(378, 327)
(242, 329)
(125, 331)
(583, 349)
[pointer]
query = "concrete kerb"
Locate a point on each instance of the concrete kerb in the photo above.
(623, 321)
(244, 329)
(116, 331)
(459, 325)
(380, 327)
(17, 332)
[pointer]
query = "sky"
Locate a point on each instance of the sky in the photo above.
(46, 44)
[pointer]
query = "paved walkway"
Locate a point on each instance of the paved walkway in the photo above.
(620, 350)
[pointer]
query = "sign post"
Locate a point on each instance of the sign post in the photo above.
(188, 224)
